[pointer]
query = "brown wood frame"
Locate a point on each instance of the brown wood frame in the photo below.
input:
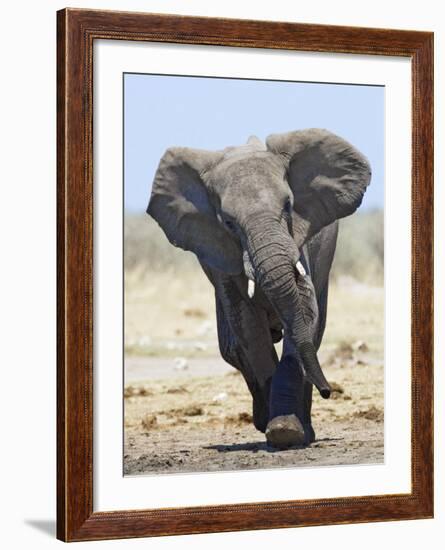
(76, 32)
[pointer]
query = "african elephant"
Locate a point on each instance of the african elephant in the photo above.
(263, 222)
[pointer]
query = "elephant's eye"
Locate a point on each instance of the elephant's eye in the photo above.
(230, 225)
(288, 206)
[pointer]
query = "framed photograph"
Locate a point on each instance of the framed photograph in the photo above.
(245, 228)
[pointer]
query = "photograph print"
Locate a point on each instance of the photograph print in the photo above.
(253, 274)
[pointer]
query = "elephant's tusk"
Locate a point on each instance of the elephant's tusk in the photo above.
(300, 268)
(251, 288)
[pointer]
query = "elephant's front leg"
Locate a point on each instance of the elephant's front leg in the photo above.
(290, 404)
(245, 339)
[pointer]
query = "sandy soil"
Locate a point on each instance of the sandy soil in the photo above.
(194, 415)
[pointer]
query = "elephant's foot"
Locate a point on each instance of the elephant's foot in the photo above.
(285, 431)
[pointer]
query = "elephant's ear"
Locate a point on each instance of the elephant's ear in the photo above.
(327, 175)
(180, 204)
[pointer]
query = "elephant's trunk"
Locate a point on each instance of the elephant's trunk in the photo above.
(313, 370)
(273, 254)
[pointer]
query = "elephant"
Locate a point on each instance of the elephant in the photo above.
(262, 219)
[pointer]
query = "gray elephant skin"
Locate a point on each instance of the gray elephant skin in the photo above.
(262, 220)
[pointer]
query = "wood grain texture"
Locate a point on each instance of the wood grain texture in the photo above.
(76, 32)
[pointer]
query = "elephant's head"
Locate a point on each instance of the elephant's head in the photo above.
(250, 209)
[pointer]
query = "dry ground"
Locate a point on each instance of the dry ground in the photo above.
(186, 410)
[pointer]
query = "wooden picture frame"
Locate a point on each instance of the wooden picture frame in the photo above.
(76, 32)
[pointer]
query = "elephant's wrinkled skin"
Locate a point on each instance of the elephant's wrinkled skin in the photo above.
(262, 220)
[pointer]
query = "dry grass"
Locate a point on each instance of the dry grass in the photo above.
(360, 248)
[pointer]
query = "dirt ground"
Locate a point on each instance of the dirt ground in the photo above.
(197, 417)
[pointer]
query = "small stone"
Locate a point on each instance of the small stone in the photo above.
(129, 391)
(360, 345)
(200, 346)
(193, 410)
(177, 389)
(204, 328)
(220, 397)
(149, 421)
(181, 363)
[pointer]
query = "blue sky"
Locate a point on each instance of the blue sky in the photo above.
(213, 113)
